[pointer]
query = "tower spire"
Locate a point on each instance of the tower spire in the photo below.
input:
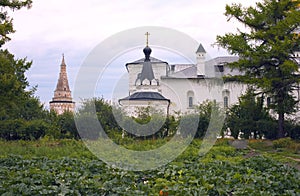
(62, 100)
(63, 59)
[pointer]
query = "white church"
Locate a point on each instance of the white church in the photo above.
(179, 87)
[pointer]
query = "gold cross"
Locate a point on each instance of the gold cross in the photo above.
(147, 37)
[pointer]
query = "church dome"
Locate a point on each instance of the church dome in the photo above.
(147, 51)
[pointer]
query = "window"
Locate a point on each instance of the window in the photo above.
(190, 99)
(172, 68)
(226, 95)
(190, 102)
(225, 102)
(219, 68)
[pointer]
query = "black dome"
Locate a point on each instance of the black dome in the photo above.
(147, 51)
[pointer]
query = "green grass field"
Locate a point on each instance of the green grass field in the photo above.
(67, 167)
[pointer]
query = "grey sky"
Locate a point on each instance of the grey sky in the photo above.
(75, 27)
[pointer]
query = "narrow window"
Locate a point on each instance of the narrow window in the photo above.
(225, 102)
(191, 102)
(226, 96)
(190, 99)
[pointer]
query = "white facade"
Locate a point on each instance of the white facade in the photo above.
(185, 85)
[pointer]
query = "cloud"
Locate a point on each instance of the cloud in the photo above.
(75, 27)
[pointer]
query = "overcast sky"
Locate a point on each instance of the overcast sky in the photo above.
(75, 27)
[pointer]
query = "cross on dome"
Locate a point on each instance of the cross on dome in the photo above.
(147, 38)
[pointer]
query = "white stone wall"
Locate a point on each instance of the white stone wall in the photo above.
(133, 71)
(131, 107)
(159, 69)
(179, 90)
(60, 108)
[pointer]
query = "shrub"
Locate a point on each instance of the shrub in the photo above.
(21, 129)
(282, 143)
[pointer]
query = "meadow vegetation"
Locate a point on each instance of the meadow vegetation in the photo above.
(67, 167)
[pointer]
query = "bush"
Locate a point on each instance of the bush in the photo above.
(249, 119)
(88, 126)
(293, 130)
(67, 126)
(20, 129)
(188, 123)
(282, 143)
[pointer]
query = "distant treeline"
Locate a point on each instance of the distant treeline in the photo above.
(247, 119)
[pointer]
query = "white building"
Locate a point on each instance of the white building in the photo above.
(179, 87)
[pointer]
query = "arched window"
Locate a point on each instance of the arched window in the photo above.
(190, 99)
(226, 95)
(191, 102)
(225, 102)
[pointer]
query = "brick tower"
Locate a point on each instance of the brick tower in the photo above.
(62, 100)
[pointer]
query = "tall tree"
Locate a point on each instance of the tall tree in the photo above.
(13, 94)
(267, 49)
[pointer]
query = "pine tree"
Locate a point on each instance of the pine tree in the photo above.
(267, 50)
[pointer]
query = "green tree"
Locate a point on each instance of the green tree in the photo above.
(6, 25)
(202, 118)
(21, 113)
(267, 50)
(103, 110)
(250, 118)
(67, 125)
(12, 72)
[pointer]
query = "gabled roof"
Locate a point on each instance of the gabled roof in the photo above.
(222, 60)
(142, 60)
(190, 72)
(201, 49)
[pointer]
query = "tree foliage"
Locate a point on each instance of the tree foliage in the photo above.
(267, 50)
(249, 119)
(13, 94)
(21, 113)
(102, 109)
(6, 25)
(203, 116)
(115, 122)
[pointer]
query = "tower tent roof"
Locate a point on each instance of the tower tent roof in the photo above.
(62, 83)
(201, 49)
(63, 60)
